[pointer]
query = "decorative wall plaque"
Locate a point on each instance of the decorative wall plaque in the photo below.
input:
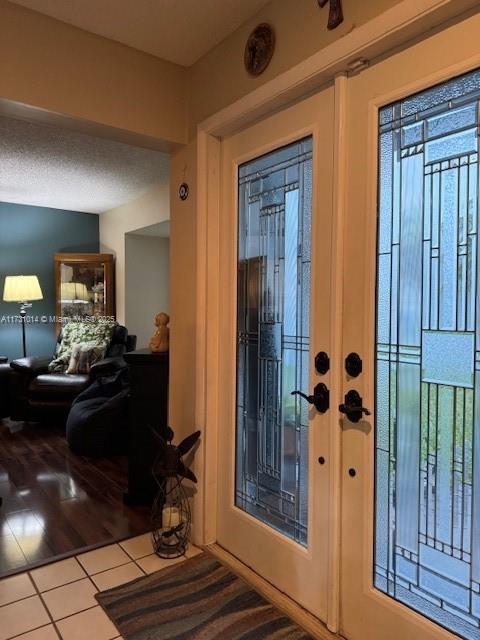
(259, 49)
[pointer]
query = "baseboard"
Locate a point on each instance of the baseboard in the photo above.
(303, 618)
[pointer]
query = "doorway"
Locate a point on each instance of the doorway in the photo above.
(413, 470)
(147, 279)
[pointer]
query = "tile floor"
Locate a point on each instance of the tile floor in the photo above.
(57, 601)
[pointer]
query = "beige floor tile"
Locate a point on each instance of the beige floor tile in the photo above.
(71, 598)
(92, 624)
(57, 574)
(138, 547)
(103, 559)
(22, 616)
(153, 563)
(117, 576)
(16, 588)
(44, 633)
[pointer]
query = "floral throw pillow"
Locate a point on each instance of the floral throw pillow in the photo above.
(84, 355)
(96, 333)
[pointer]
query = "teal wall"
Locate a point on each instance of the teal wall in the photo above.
(29, 236)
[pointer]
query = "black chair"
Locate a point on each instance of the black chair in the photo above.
(4, 384)
(97, 424)
(36, 394)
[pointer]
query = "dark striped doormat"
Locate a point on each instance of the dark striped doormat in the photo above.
(198, 599)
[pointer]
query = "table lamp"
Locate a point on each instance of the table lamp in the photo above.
(22, 289)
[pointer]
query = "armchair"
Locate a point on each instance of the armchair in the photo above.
(4, 383)
(36, 393)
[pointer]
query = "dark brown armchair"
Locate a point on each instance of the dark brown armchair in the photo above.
(4, 382)
(36, 394)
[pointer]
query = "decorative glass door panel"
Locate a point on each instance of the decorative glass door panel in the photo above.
(427, 540)
(273, 328)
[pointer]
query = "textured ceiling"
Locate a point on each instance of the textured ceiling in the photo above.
(181, 31)
(52, 167)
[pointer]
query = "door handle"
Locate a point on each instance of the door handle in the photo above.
(353, 406)
(320, 398)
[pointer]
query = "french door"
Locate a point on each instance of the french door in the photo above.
(409, 469)
(275, 233)
(410, 472)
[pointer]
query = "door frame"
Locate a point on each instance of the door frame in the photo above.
(393, 28)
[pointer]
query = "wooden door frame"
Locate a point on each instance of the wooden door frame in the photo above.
(394, 28)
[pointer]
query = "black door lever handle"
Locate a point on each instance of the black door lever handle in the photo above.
(320, 398)
(353, 406)
(309, 399)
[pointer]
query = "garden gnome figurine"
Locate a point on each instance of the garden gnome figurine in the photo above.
(159, 342)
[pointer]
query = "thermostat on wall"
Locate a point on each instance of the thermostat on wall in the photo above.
(183, 191)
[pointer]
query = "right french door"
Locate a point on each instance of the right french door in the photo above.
(411, 471)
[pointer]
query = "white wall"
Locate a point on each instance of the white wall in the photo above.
(147, 283)
(151, 208)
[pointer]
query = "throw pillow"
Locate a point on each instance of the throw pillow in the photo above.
(99, 333)
(84, 355)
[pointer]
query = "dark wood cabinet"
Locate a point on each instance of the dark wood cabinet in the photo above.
(148, 409)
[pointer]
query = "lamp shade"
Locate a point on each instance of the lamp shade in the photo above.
(73, 292)
(22, 289)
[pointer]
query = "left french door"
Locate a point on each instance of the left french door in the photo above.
(275, 271)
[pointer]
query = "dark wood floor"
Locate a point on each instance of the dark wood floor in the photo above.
(55, 503)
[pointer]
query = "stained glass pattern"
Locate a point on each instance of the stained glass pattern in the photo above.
(427, 543)
(273, 325)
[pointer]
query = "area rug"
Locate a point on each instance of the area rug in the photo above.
(198, 599)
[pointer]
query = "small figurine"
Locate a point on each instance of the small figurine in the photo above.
(159, 342)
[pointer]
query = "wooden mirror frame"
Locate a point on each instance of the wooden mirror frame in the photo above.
(88, 259)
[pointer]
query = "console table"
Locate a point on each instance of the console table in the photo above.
(148, 408)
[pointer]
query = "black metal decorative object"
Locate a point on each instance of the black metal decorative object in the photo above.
(171, 514)
(335, 16)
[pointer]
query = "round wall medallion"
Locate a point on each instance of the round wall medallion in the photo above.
(183, 191)
(259, 49)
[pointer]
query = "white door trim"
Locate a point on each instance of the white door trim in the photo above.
(407, 20)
